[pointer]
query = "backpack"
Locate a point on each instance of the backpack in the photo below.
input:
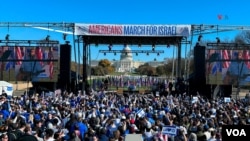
(14, 135)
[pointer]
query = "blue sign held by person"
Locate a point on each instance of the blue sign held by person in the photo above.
(169, 130)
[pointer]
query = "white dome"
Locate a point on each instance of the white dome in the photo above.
(126, 54)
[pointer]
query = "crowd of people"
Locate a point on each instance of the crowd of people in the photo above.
(100, 116)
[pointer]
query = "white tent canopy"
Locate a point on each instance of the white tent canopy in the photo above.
(6, 87)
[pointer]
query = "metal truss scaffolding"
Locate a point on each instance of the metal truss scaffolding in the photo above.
(85, 40)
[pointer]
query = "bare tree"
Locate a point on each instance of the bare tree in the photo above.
(243, 37)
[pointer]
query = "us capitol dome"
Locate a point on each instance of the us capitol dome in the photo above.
(126, 54)
(126, 62)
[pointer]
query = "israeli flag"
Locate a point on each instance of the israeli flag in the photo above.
(141, 113)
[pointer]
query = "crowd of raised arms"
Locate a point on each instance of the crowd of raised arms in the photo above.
(100, 116)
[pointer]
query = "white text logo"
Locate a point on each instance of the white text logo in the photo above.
(236, 132)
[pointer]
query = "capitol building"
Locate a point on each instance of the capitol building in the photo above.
(126, 62)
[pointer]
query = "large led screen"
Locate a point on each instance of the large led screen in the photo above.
(228, 67)
(29, 63)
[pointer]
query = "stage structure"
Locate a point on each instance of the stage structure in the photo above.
(110, 34)
(89, 34)
(133, 51)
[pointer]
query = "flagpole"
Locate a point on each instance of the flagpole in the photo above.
(173, 65)
(30, 77)
(185, 60)
(10, 65)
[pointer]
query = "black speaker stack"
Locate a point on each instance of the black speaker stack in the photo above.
(64, 79)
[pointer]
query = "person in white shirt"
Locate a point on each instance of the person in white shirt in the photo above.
(207, 132)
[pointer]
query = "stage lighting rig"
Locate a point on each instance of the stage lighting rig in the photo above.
(110, 47)
(217, 40)
(199, 38)
(47, 38)
(132, 51)
(168, 45)
(139, 45)
(7, 37)
(67, 42)
(153, 47)
(64, 36)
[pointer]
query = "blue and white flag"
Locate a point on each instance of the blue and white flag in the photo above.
(9, 107)
(169, 130)
(141, 113)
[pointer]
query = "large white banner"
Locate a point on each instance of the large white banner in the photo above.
(132, 30)
(133, 137)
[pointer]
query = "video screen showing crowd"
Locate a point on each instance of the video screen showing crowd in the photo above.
(228, 67)
(29, 63)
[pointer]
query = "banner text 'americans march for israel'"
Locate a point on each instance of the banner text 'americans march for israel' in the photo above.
(132, 30)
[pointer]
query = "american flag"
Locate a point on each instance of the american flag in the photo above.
(162, 137)
(225, 56)
(19, 55)
(39, 54)
(246, 56)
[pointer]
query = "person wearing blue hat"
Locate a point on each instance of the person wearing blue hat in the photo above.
(5, 114)
(37, 117)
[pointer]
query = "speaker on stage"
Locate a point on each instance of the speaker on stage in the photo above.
(65, 63)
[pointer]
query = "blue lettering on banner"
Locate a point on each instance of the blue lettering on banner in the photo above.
(150, 30)
(173, 30)
(161, 30)
(134, 30)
